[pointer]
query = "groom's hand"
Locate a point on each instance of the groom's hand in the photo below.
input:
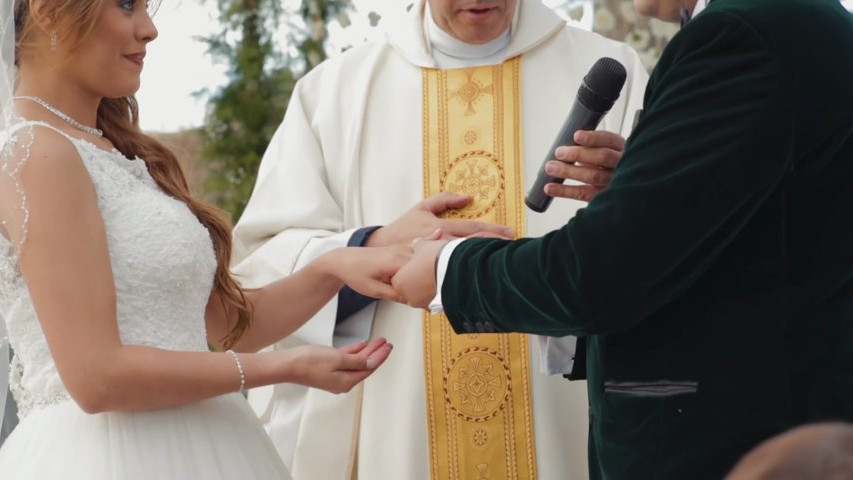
(590, 161)
(415, 281)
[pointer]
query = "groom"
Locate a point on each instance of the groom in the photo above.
(713, 280)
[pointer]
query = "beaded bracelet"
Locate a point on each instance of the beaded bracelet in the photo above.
(240, 369)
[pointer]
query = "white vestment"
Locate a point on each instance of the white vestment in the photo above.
(349, 154)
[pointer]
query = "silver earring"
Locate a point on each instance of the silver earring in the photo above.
(54, 41)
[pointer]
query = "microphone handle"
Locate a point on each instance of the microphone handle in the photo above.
(580, 118)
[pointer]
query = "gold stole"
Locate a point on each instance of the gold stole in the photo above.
(478, 386)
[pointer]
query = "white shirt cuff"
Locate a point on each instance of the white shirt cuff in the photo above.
(435, 305)
(556, 354)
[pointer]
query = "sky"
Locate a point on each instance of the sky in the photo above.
(177, 65)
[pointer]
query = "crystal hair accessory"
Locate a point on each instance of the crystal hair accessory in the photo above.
(66, 118)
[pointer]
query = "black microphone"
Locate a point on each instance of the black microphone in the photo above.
(600, 88)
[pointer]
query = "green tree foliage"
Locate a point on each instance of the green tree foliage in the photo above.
(243, 115)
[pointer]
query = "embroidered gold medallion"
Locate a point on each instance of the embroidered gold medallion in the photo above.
(478, 386)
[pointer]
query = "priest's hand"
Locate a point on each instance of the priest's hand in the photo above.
(415, 282)
(423, 220)
(590, 162)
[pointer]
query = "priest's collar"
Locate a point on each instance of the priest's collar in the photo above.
(450, 52)
(408, 33)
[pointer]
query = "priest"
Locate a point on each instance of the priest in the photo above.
(453, 114)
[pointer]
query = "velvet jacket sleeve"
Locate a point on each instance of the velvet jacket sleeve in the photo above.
(713, 143)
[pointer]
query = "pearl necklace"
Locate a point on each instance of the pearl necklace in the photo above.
(74, 123)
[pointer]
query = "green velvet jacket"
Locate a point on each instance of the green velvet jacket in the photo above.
(713, 280)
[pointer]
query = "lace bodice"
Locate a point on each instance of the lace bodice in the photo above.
(162, 261)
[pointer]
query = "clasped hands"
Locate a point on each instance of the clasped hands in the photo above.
(420, 233)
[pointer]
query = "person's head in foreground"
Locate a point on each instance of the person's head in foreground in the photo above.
(818, 451)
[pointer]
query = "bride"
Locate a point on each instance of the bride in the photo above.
(114, 282)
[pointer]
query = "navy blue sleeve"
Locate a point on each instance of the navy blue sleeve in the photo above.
(350, 301)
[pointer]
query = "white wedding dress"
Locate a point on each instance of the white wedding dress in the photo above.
(163, 263)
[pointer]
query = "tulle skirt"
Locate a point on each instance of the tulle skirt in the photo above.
(215, 439)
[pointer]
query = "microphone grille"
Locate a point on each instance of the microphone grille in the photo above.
(602, 84)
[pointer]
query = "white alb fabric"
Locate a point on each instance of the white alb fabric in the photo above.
(163, 265)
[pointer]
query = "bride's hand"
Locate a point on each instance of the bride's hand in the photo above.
(368, 270)
(336, 370)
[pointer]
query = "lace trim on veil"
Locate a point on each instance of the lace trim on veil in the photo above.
(13, 203)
